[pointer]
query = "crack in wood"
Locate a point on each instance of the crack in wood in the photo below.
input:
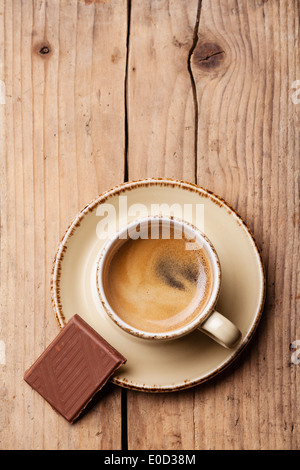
(124, 419)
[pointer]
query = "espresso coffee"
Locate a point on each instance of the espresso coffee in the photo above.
(157, 285)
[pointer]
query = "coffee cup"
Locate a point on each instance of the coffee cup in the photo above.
(159, 278)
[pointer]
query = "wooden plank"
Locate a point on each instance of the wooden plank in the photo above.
(245, 62)
(161, 133)
(61, 128)
(62, 141)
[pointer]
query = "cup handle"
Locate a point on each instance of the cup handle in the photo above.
(221, 330)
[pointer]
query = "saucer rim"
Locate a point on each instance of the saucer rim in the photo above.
(169, 182)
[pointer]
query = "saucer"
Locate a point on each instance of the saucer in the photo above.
(160, 366)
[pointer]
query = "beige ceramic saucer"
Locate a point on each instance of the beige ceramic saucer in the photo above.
(165, 365)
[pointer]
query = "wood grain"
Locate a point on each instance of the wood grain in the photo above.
(63, 109)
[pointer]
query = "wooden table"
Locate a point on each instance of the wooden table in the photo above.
(93, 93)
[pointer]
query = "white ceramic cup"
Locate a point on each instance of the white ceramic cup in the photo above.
(208, 320)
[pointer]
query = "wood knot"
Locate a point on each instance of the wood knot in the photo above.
(208, 56)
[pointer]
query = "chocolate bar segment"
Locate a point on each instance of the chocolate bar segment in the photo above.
(73, 368)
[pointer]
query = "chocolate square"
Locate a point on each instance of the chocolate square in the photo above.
(73, 368)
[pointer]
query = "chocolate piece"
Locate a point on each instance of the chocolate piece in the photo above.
(73, 368)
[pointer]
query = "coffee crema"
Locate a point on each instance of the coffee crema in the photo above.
(157, 285)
